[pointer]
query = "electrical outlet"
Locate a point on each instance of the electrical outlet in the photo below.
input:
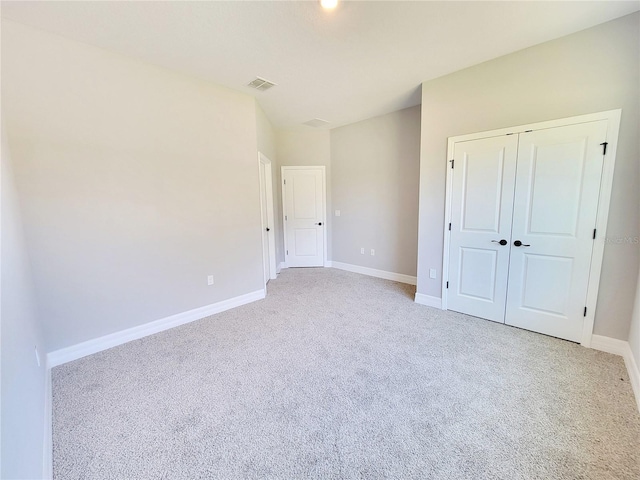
(373, 252)
(432, 273)
(37, 357)
(337, 213)
(210, 280)
(362, 251)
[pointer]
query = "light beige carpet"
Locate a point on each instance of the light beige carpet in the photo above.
(341, 376)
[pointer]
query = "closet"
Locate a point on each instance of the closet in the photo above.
(523, 215)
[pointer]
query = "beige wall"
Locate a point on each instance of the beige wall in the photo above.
(266, 135)
(296, 148)
(590, 71)
(136, 183)
(22, 382)
(375, 171)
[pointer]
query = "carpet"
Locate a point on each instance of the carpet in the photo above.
(337, 375)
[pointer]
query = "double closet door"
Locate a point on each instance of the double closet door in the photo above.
(523, 214)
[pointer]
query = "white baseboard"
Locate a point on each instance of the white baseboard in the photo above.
(372, 272)
(428, 300)
(622, 348)
(64, 355)
(47, 444)
(634, 374)
(609, 345)
(283, 265)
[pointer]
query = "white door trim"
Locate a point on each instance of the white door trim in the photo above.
(606, 184)
(324, 208)
(268, 186)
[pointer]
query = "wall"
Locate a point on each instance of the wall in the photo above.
(590, 71)
(22, 380)
(266, 135)
(375, 171)
(296, 148)
(136, 182)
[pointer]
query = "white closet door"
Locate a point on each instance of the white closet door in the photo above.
(555, 206)
(482, 205)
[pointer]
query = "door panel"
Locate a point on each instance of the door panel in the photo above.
(538, 293)
(304, 212)
(557, 168)
(305, 205)
(472, 285)
(482, 191)
(305, 242)
(482, 206)
(555, 207)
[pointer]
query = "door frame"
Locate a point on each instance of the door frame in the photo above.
(606, 184)
(324, 208)
(266, 191)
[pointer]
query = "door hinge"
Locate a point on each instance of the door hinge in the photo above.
(452, 162)
(285, 181)
(287, 252)
(447, 284)
(449, 226)
(604, 148)
(285, 218)
(585, 311)
(594, 233)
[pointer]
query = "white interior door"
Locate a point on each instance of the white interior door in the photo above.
(268, 219)
(555, 207)
(304, 216)
(482, 204)
(265, 224)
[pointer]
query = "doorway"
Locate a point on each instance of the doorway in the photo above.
(267, 217)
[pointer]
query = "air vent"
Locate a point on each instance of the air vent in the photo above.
(261, 84)
(317, 122)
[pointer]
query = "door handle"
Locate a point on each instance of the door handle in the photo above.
(268, 229)
(501, 242)
(319, 223)
(518, 243)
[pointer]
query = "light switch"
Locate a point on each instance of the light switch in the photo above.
(337, 213)
(432, 273)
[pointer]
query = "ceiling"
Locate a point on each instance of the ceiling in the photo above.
(360, 60)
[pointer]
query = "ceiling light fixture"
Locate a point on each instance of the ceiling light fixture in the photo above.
(329, 4)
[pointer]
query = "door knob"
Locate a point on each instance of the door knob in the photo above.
(501, 242)
(268, 229)
(518, 243)
(319, 223)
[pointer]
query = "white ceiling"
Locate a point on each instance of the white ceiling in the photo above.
(361, 60)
